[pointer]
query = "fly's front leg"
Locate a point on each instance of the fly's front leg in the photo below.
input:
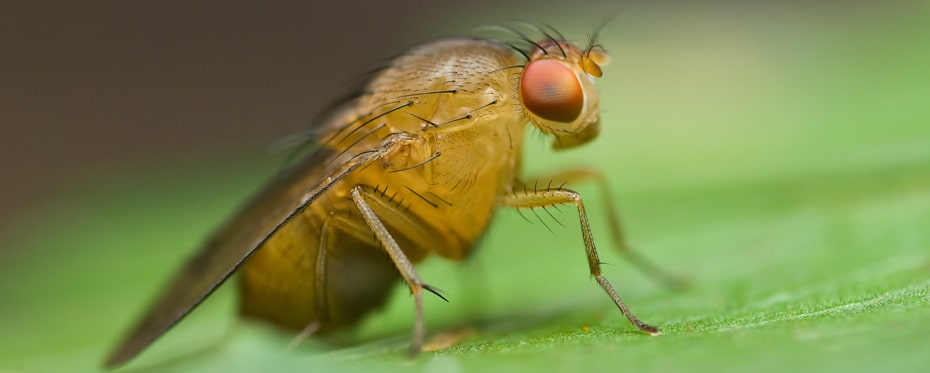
(359, 195)
(581, 174)
(554, 197)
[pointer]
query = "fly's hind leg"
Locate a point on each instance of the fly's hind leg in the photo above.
(334, 225)
(554, 197)
(581, 174)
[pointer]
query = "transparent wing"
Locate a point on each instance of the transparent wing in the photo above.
(228, 248)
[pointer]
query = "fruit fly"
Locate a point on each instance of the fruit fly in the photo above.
(415, 164)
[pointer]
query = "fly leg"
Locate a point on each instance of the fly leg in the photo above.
(360, 194)
(554, 197)
(333, 228)
(581, 174)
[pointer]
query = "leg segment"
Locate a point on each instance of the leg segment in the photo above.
(359, 195)
(333, 227)
(575, 175)
(553, 197)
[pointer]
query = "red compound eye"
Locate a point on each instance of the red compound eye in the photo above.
(551, 91)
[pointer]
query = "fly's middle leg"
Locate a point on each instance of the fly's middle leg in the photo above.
(553, 197)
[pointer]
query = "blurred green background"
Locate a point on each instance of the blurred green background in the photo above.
(776, 154)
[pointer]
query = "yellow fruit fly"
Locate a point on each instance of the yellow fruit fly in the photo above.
(414, 164)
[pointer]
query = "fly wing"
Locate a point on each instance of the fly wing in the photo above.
(228, 248)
